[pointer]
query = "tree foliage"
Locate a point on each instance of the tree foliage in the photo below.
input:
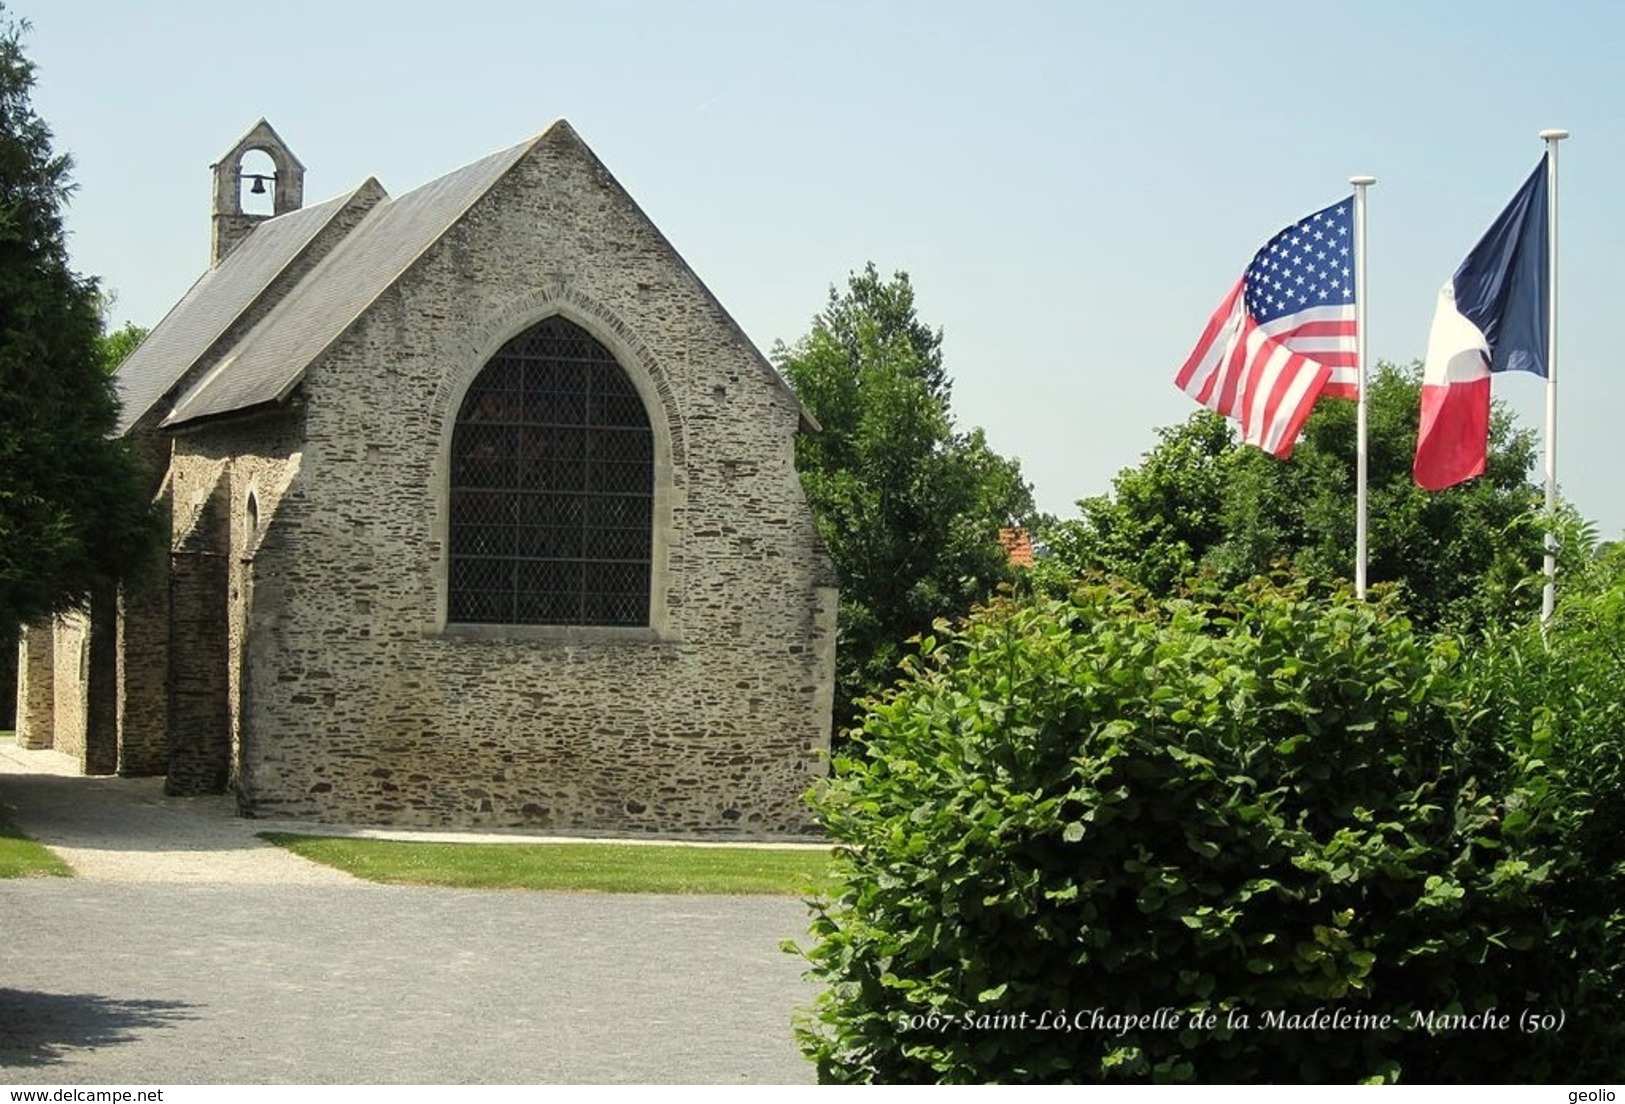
(74, 504)
(1199, 502)
(1088, 824)
(116, 345)
(909, 507)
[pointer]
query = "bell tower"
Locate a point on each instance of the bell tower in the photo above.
(286, 185)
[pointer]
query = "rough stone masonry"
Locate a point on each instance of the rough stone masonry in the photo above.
(304, 402)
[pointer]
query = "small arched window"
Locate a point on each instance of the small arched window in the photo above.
(552, 487)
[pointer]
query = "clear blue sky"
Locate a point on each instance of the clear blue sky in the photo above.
(1071, 186)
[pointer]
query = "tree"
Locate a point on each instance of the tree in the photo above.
(114, 347)
(1163, 516)
(75, 506)
(1199, 502)
(119, 344)
(909, 508)
(889, 307)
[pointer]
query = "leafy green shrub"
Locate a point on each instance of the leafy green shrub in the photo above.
(1554, 696)
(1211, 838)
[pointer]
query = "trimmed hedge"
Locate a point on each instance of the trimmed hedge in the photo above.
(1216, 838)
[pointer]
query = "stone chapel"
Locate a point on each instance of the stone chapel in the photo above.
(483, 511)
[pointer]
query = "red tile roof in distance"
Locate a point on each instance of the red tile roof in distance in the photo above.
(1018, 546)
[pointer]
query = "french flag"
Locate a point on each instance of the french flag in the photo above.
(1491, 317)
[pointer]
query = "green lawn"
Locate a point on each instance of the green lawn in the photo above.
(585, 867)
(21, 857)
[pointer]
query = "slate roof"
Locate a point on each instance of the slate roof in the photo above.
(272, 359)
(212, 304)
(267, 362)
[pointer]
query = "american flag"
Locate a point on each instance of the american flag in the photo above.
(1284, 334)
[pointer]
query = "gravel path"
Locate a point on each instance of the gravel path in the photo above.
(189, 952)
(126, 830)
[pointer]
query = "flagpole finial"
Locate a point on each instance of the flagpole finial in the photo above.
(1362, 181)
(1553, 134)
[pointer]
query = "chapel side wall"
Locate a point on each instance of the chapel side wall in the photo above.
(143, 671)
(100, 754)
(68, 685)
(36, 686)
(70, 647)
(228, 481)
(198, 709)
(718, 722)
(141, 636)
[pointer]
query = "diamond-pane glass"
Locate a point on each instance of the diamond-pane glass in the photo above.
(552, 487)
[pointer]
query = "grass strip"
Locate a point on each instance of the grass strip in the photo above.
(21, 857)
(578, 867)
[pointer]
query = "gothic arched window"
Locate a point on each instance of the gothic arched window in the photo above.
(552, 487)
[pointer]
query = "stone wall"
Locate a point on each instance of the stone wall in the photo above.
(361, 703)
(70, 650)
(100, 755)
(199, 721)
(226, 484)
(143, 673)
(36, 686)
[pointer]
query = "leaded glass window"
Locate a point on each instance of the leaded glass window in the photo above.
(552, 487)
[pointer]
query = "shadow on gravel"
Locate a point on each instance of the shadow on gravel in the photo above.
(40, 1029)
(121, 814)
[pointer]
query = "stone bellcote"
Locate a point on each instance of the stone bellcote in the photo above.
(287, 187)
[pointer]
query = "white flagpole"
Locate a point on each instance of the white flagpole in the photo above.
(1361, 183)
(1548, 600)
